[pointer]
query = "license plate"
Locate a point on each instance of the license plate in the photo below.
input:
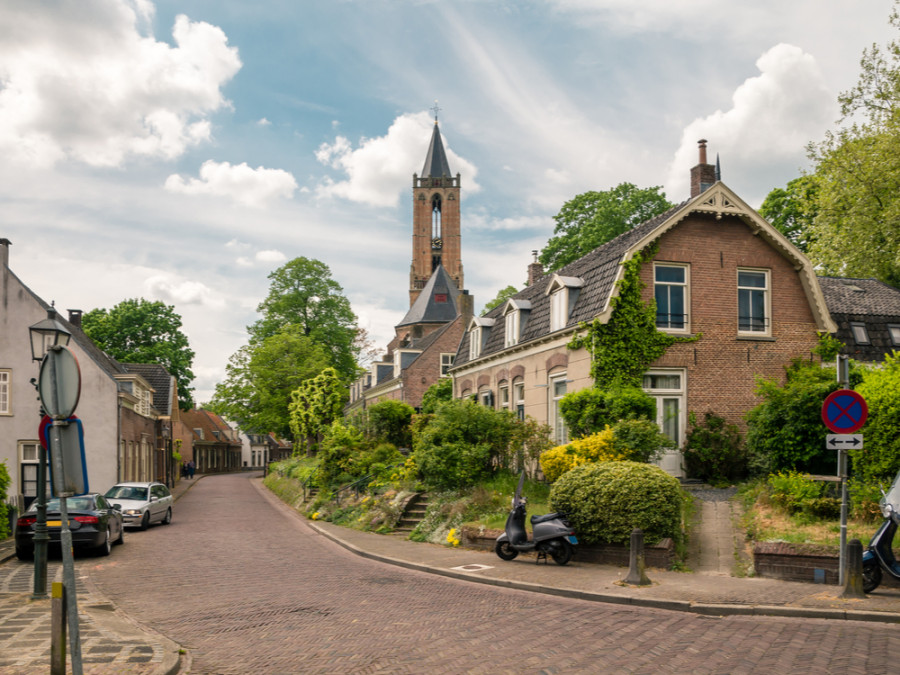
(572, 539)
(54, 523)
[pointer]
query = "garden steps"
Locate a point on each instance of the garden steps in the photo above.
(413, 514)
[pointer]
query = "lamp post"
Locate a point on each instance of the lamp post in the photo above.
(44, 334)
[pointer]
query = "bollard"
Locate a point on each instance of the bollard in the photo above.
(853, 576)
(636, 575)
(58, 629)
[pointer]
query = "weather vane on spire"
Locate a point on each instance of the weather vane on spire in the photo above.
(436, 110)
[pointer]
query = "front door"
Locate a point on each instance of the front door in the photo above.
(667, 387)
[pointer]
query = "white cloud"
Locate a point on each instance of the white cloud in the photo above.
(263, 122)
(773, 116)
(251, 187)
(182, 291)
(270, 256)
(81, 82)
(379, 169)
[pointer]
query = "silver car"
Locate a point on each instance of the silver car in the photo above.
(142, 503)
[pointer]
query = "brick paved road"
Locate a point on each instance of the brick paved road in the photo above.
(249, 588)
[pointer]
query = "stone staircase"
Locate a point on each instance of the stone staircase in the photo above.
(413, 514)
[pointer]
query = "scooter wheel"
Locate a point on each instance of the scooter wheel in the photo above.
(505, 550)
(562, 553)
(871, 576)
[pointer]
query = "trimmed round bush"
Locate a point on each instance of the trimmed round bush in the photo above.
(605, 501)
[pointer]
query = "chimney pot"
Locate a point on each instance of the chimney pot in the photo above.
(702, 143)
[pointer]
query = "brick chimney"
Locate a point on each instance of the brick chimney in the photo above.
(535, 270)
(703, 175)
(466, 305)
(4, 252)
(75, 317)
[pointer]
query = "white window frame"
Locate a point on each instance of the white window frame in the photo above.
(686, 297)
(486, 398)
(447, 359)
(767, 301)
(5, 391)
(475, 342)
(512, 329)
(518, 398)
(671, 461)
(30, 461)
(860, 333)
(559, 432)
(894, 333)
(559, 309)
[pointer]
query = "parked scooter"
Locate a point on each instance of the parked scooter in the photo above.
(553, 534)
(879, 557)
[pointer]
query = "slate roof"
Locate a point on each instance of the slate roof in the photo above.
(210, 423)
(869, 302)
(598, 269)
(158, 378)
(436, 165)
(426, 309)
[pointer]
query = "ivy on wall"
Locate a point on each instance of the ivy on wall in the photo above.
(624, 347)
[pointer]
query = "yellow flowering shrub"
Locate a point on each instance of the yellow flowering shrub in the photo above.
(453, 538)
(594, 448)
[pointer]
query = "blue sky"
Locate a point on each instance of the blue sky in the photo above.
(181, 151)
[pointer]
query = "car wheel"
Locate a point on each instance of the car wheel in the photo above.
(106, 546)
(24, 554)
(145, 521)
(168, 518)
(121, 539)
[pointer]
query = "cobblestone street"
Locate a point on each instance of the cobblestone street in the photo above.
(249, 588)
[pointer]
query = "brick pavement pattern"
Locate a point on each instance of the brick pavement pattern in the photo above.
(251, 588)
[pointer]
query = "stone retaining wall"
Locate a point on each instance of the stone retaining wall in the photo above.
(796, 562)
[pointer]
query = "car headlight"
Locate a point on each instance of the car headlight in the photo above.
(132, 512)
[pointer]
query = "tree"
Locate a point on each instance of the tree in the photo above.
(303, 294)
(502, 296)
(438, 393)
(141, 331)
(856, 229)
(261, 376)
(792, 210)
(315, 404)
(594, 218)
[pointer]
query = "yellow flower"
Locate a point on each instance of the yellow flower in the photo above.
(452, 539)
(315, 516)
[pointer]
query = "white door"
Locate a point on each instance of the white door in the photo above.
(667, 387)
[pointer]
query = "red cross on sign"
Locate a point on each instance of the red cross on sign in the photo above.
(844, 411)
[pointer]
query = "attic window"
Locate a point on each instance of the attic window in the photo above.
(563, 292)
(894, 330)
(440, 298)
(860, 334)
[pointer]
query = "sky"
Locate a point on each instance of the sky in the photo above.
(182, 151)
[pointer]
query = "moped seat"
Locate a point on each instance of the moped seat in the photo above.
(541, 519)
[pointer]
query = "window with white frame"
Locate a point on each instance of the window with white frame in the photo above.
(559, 309)
(860, 334)
(446, 362)
(894, 331)
(486, 398)
(503, 395)
(753, 301)
(557, 389)
(668, 389)
(512, 328)
(5, 394)
(475, 342)
(28, 469)
(519, 398)
(670, 289)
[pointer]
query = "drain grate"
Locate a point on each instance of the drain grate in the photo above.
(472, 568)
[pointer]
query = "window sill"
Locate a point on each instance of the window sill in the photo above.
(756, 338)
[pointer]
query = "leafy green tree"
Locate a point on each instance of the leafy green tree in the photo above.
(141, 331)
(303, 294)
(261, 376)
(389, 421)
(856, 229)
(879, 460)
(792, 210)
(440, 391)
(502, 296)
(5, 481)
(315, 404)
(594, 218)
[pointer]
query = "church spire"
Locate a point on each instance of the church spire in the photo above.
(436, 165)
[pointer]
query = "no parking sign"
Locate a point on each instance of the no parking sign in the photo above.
(844, 411)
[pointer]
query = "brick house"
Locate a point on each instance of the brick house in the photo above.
(721, 272)
(426, 339)
(867, 314)
(216, 446)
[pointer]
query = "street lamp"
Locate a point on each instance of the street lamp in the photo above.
(44, 334)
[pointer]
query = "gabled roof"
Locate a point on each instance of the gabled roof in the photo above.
(215, 429)
(602, 268)
(436, 165)
(426, 308)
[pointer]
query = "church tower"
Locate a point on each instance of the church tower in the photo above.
(436, 236)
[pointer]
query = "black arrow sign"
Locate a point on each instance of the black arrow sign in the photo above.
(834, 442)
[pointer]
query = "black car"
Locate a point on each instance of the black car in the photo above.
(95, 524)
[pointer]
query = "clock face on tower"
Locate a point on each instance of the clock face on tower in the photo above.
(437, 243)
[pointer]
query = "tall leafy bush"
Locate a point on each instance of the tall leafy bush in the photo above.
(589, 411)
(879, 460)
(5, 482)
(714, 450)
(389, 421)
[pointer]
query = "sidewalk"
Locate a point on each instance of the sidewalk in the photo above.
(112, 643)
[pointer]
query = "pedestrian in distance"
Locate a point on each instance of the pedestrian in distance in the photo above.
(191, 468)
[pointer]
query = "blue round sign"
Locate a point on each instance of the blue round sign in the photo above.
(844, 411)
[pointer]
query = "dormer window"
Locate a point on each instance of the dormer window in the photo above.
(563, 292)
(479, 330)
(516, 314)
